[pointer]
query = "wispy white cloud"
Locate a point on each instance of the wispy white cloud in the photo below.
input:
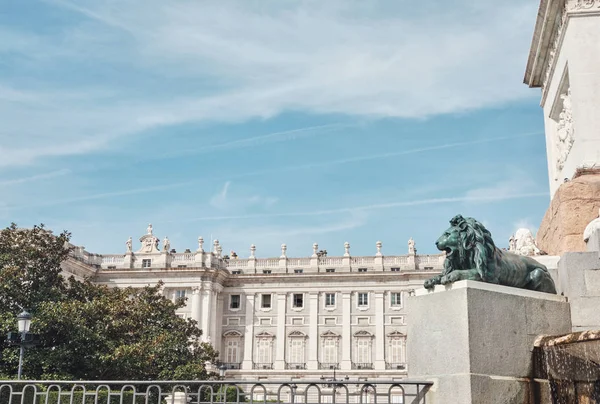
(346, 57)
(224, 201)
(37, 177)
(372, 207)
(512, 186)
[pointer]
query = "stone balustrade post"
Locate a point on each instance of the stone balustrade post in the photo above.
(252, 260)
(314, 259)
(378, 261)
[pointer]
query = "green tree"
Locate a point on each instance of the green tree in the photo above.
(91, 331)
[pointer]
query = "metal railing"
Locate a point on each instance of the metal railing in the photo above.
(329, 366)
(360, 366)
(211, 392)
(263, 366)
(395, 366)
(232, 366)
(295, 366)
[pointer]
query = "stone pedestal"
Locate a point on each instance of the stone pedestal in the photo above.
(579, 280)
(474, 340)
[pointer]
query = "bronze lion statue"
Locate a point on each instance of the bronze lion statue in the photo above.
(472, 255)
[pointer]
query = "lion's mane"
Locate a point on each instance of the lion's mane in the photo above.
(475, 246)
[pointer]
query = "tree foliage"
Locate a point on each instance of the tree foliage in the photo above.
(89, 331)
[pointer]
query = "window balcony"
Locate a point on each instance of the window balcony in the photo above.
(232, 366)
(295, 366)
(395, 366)
(329, 366)
(362, 366)
(263, 366)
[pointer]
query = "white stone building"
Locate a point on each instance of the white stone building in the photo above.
(281, 317)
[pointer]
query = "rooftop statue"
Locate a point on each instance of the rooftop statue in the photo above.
(472, 255)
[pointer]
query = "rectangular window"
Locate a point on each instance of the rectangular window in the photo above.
(363, 299)
(266, 271)
(236, 272)
(396, 299)
(298, 271)
(362, 269)
(330, 351)
(232, 350)
(266, 302)
(330, 270)
(363, 350)
(146, 263)
(298, 300)
(180, 294)
(234, 302)
(112, 267)
(181, 266)
(329, 299)
(395, 269)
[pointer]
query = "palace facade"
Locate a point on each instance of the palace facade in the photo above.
(280, 317)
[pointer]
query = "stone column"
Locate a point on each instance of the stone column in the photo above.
(196, 305)
(346, 363)
(313, 333)
(247, 363)
(379, 332)
(206, 313)
(280, 338)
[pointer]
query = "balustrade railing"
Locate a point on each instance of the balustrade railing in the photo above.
(331, 261)
(267, 262)
(113, 259)
(237, 263)
(298, 262)
(184, 257)
(363, 260)
(395, 260)
(316, 391)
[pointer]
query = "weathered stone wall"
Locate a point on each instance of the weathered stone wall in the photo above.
(574, 205)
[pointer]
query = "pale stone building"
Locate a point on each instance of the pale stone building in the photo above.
(563, 62)
(281, 317)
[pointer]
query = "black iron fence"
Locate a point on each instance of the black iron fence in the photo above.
(212, 392)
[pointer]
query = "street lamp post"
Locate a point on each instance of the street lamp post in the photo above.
(222, 371)
(23, 338)
(24, 322)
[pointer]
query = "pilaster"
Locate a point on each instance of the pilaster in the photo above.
(313, 332)
(206, 313)
(346, 363)
(281, 337)
(196, 304)
(379, 332)
(247, 363)
(217, 322)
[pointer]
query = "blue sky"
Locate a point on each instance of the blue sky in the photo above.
(269, 122)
